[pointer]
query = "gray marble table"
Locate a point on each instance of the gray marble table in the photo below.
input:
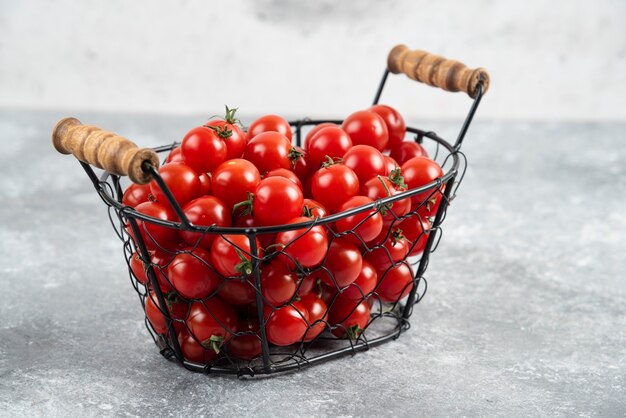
(525, 313)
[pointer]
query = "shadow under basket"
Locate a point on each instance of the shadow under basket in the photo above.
(386, 307)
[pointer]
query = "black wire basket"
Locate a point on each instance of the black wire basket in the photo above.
(170, 316)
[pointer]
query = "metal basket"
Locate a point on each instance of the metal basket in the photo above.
(388, 320)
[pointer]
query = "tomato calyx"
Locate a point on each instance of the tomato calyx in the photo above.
(245, 266)
(245, 204)
(222, 131)
(294, 155)
(229, 117)
(396, 236)
(215, 343)
(331, 161)
(397, 179)
(354, 332)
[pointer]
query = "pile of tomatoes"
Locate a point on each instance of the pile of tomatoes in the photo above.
(320, 278)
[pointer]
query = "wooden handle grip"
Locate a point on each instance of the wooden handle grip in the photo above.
(103, 149)
(436, 71)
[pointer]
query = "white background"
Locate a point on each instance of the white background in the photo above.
(557, 59)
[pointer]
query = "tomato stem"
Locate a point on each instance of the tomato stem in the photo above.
(221, 131)
(245, 266)
(215, 343)
(331, 161)
(354, 331)
(397, 179)
(246, 204)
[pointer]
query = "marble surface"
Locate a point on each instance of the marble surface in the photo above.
(525, 313)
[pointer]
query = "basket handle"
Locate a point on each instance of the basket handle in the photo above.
(436, 71)
(103, 149)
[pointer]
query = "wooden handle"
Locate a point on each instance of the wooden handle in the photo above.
(436, 71)
(103, 149)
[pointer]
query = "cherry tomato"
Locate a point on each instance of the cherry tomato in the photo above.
(316, 129)
(367, 128)
(288, 174)
(364, 283)
(429, 207)
(407, 150)
(381, 187)
(238, 291)
(191, 274)
(156, 237)
(332, 186)
(394, 121)
(278, 283)
(365, 225)
(138, 268)
(212, 322)
(394, 249)
(247, 343)
(365, 161)
(318, 314)
(343, 261)
(205, 184)
(233, 136)
(331, 141)
(175, 156)
(277, 200)
(233, 180)
(390, 164)
(269, 123)
(415, 229)
(193, 351)
(314, 209)
(247, 221)
(230, 255)
(136, 194)
(301, 165)
(394, 283)
(348, 317)
(306, 246)
(287, 325)
(203, 149)
(269, 150)
(177, 311)
(306, 284)
(205, 211)
(418, 172)
(182, 181)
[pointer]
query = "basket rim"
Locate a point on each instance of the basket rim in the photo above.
(128, 211)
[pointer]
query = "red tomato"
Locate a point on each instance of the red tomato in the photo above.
(381, 187)
(277, 200)
(365, 225)
(367, 128)
(177, 311)
(394, 249)
(343, 262)
(306, 284)
(416, 230)
(269, 123)
(175, 156)
(278, 283)
(203, 150)
(136, 194)
(205, 211)
(428, 208)
(365, 161)
(238, 291)
(418, 172)
(233, 180)
(318, 314)
(364, 283)
(313, 209)
(287, 325)
(193, 351)
(159, 262)
(234, 137)
(332, 186)
(191, 274)
(301, 166)
(182, 181)
(394, 121)
(205, 184)
(306, 246)
(247, 221)
(269, 150)
(331, 141)
(407, 150)
(230, 255)
(394, 283)
(212, 322)
(316, 129)
(156, 236)
(348, 317)
(247, 343)
(288, 174)
(390, 164)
